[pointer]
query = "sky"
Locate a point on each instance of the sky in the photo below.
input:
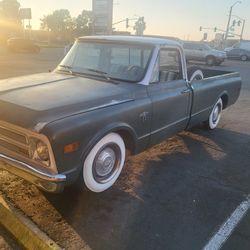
(178, 18)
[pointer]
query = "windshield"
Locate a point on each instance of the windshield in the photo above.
(113, 61)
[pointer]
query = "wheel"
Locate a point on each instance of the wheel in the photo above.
(218, 63)
(210, 60)
(196, 75)
(104, 163)
(215, 115)
(243, 58)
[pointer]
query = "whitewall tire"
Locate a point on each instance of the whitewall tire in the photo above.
(104, 163)
(215, 115)
(197, 75)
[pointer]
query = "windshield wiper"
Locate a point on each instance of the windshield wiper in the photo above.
(103, 73)
(68, 68)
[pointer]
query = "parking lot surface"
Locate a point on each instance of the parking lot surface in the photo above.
(176, 195)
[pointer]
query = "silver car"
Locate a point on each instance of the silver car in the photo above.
(198, 51)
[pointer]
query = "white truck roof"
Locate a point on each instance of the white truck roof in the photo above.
(135, 39)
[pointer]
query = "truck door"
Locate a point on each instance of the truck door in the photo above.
(170, 96)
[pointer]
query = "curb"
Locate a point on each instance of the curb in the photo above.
(24, 230)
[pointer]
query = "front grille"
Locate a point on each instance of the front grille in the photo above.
(14, 141)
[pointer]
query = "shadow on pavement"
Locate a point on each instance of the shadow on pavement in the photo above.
(173, 196)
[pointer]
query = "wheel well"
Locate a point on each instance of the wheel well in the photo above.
(210, 56)
(128, 140)
(224, 99)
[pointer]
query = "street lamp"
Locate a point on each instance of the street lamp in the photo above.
(229, 19)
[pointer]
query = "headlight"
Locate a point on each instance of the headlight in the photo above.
(39, 151)
(42, 151)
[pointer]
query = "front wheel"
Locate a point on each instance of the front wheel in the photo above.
(243, 58)
(104, 163)
(215, 115)
(218, 63)
(210, 60)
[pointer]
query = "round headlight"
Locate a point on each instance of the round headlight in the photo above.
(42, 151)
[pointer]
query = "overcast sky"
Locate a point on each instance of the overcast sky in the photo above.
(179, 18)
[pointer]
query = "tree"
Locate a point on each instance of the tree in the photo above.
(10, 23)
(9, 10)
(59, 21)
(83, 23)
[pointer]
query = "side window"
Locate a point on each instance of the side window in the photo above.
(236, 46)
(170, 67)
(190, 46)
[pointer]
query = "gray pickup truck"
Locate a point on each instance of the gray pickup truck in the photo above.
(110, 95)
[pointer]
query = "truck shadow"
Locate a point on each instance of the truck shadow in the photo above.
(172, 196)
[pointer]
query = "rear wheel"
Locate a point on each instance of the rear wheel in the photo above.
(215, 115)
(195, 74)
(104, 163)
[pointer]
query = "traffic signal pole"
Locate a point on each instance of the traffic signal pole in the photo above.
(229, 20)
(228, 23)
(242, 31)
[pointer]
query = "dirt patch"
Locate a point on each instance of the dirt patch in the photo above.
(31, 201)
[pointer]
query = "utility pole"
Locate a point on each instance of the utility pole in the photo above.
(242, 31)
(229, 19)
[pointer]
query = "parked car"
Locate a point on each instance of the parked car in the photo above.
(239, 51)
(198, 51)
(110, 95)
(22, 45)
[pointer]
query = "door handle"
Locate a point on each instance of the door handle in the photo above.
(185, 91)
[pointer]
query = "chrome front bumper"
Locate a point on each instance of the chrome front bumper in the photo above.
(45, 181)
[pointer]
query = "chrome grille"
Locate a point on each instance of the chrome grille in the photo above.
(14, 141)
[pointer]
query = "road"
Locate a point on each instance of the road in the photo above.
(176, 195)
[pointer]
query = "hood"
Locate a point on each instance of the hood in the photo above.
(219, 52)
(36, 100)
(228, 49)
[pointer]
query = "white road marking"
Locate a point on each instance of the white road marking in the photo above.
(220, 237)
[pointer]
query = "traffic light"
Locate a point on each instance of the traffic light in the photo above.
(200, 28)
(215, 29)
(127, 23)
(239, 23)
(234, 22)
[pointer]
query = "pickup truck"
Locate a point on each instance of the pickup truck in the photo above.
(111, 95)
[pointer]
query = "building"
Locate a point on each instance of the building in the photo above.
(103, 17)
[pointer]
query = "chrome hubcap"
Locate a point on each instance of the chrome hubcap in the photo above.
(216, 113)
(106, 163)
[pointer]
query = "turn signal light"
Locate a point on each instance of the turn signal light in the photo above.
(70, 148)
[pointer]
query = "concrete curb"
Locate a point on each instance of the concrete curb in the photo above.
(25, 231)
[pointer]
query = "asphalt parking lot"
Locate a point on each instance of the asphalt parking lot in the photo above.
(176, 195)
